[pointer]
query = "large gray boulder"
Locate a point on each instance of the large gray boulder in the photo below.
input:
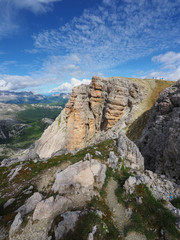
(160, 141)
(129, 153)
(80, 177)
(51, 207)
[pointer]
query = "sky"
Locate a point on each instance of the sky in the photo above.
(49, 46)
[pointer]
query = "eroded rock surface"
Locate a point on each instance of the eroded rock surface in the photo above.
(129, 153)
(160, 186)
(80, 177)
(160, 142)
(91, 111)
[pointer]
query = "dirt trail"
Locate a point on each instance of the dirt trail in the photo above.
(119, 212)
(117, 209)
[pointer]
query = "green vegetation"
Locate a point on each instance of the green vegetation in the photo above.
(105, 228)
(33, 117)
(176, 202)
(150, 216)
(32, 114)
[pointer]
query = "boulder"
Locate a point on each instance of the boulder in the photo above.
(129, 153)
(15, 225)
(30, 204)
(51, 207)
(112, 160)
(83, 175)
(68, 223)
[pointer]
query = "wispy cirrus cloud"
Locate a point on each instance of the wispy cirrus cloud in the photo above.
(115, 32)
(9, 12)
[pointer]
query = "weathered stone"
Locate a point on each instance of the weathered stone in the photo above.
(161, 188)
(53, 137)
(79, 176)
(50, 207)
(30, 204)
(112, 160)
(88, 157)
(15, 225)
(67, 224)
(14, 172)
(97, 153)
(129, 153)
(91, 235)
(160, 140)
(9, 202)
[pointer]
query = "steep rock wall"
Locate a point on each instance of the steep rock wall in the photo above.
(160, 141)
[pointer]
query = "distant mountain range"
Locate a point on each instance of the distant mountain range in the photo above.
(30, 97)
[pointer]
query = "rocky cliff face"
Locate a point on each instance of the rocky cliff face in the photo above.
(160, 142)
(90, 112)
(99, 111)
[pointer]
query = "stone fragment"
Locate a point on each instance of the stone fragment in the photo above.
(68, 223)
(14, 172)
(15, 225)
(30, 204)
(9, 202)
(97, 153)
(91, 235)
(112, 160)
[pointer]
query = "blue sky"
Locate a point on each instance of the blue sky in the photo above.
(53, 45)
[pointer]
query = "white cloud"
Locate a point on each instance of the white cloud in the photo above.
(169, 59)
(169, 66)
(67, 87)
(14, 82)
(9, 12)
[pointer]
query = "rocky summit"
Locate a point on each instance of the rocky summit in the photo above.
(106, 169)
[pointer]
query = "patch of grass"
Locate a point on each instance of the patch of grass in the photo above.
(32, 114)
(176, 202)
(150, 216)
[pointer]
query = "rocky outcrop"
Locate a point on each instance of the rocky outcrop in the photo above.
(160, 141)
(129, 153)
(92, 111)
(80, 177)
